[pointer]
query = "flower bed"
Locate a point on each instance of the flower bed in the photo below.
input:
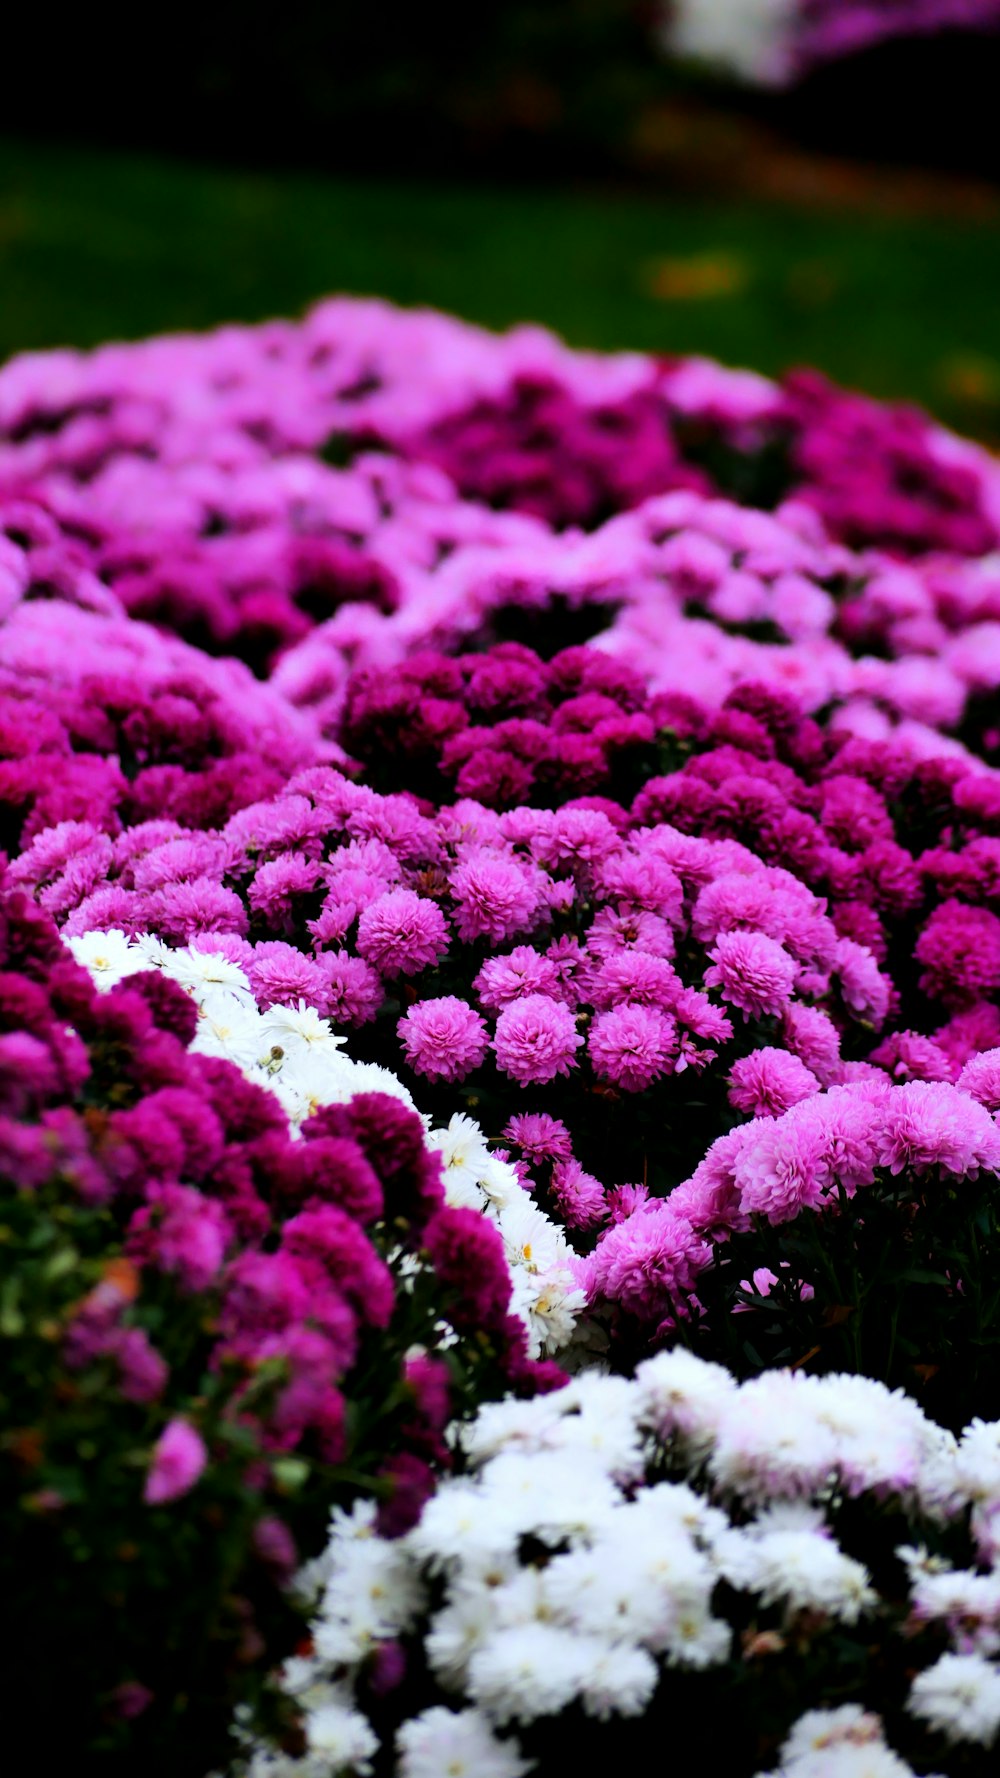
(504, 881)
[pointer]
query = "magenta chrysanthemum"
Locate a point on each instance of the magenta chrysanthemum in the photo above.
(535, 1040)
(402, 933)
(753, 972)
(444, 1039)
(632, 1046)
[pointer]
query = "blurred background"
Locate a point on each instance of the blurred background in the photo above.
(773, 182)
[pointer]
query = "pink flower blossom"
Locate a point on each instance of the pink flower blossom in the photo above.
(632, 1046)
(402, 933)
(769, 1081)
(495, 897)
(443, 1039)
(754, 973)
(179, 1457)
(536, 1039)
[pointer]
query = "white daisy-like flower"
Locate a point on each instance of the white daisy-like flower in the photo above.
(462, 1146)
(343, 1736)
(202, 972)
(444, 1743)
(299, 1028)
(959, 1697)
(231, 1030)
(107, 956)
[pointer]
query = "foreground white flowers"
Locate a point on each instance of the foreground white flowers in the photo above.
(582, 1553)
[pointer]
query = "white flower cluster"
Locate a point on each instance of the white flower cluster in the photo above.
(546, 1294)
(290, 1050)
(621, 1570)
(843, 1743)
(751, 39)
(294, 1053)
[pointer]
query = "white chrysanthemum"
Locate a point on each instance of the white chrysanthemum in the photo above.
(532, 1670)
(698, 1639)
(514, 1425)
(229, 1029)
(342, 1736)
(200, 972)
(107, 956)
(444, 1743)
(959, 1697)
(770, 1442)
(323, 1076)
(549, 1493)
(629, 1590)
(461, 1521)
(842, 1743)
(749, 38)
(598, 1418)
(668, 1506)
(153, 950)
(548, 1305)
(977, 1463)
(818, 1731)
(464, 1152)
(298, 1029)
(680, 1393)
(464, 1624)
(620, 1682)
(373, 1593)
(303, 1677)
(529, 1237)
(500, 1185)
(882, 1436)
(800, 1567)
(954, 1594)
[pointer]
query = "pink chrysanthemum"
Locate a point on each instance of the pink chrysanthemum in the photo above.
(281, 976)
(648, 1263)
(960, 951)
(980, 1078)
(865, 990)
(495, 897)
(354, 990)
(539, 1137)
(522, 971)
(580, 1197)
(769, 1081)
(402, 933)
(179, 1456)
(632, 1046)
(928, 1124)
(754, 973)
(443, 1039)
(536, 1039)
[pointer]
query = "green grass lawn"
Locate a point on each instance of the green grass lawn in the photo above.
(96, 245)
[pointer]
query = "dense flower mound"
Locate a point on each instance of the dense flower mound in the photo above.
(749, 924)
(105, 718)
(775, 42)
(504, 878)
(292, 1052)
(705, 1557)
(859, 1228)
(212, 1331)
(198, 480)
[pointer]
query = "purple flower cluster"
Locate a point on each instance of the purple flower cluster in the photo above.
(667, 849)
(102, 1101)
(200, 1300)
